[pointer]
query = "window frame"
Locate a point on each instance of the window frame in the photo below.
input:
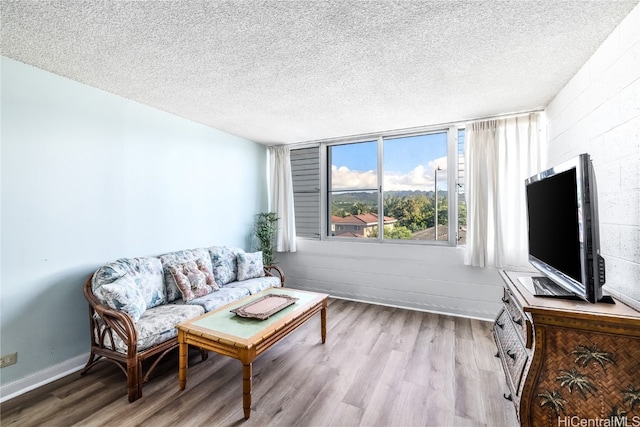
(453, 176)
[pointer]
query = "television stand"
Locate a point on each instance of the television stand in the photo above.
(551, 349)
(607, 299)
(541, 286)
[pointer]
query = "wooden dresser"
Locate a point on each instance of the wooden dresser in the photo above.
(566, 361)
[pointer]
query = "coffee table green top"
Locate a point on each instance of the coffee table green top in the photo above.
(230, 324)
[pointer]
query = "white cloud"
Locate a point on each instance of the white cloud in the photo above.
(420, 178)
(416, 179)
(344, 178)
(441, 161)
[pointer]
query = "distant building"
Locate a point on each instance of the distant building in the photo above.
(357, 225)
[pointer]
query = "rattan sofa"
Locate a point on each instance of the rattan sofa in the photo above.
(135, 303)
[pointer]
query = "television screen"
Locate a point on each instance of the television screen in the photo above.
(553, 222)
(563, 231)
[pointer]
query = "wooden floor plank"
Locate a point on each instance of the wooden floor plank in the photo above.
(380, 366)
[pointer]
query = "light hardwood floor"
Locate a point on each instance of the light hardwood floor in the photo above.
(380, 366)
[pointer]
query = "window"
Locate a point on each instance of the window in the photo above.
(353, 189)
(399, 188)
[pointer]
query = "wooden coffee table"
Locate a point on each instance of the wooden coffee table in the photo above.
(245, 339)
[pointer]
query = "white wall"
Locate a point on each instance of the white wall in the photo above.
(598, 112)
(89, 177)
(430, 278)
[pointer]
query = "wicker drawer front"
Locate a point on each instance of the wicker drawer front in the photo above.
(516, 314)
(512, 352)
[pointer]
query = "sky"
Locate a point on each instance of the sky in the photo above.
(409, 164)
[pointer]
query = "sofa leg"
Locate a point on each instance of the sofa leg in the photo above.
(132, 381)
(204, 353)
(89, 364)
(140, 381)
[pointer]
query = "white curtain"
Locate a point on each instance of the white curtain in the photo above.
(281, 197)
(499, 155)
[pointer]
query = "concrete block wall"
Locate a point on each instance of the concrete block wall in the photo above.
(598, 112)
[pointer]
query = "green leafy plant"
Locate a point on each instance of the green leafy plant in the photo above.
(266, 227)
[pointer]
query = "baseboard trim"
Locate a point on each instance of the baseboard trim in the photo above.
(43, 377)
(424, 310)
(424, 306)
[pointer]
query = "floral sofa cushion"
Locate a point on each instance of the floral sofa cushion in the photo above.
(217, 299)
(122, 294)
(256, 285)
(250, 265)
(157, 325)
(145, 272)
(224, 263)
(180, 257)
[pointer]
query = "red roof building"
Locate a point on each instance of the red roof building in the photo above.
(357, 225)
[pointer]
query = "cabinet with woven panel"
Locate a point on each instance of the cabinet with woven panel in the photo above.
(510, 334)
(569, 362)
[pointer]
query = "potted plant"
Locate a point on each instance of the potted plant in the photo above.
(266, 227)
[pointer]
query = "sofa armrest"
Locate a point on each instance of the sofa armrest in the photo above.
(105, 321)
(268, 271)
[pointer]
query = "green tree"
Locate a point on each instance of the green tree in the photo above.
(443, 211)
(359, 208)
(338, 211)
(462, 213)
(395, 232)
(413, 212)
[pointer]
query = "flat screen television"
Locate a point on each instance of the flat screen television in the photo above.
(563, 230)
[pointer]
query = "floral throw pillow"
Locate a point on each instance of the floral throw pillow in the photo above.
(122, 294)
(211, 281)
(190, 280)
(224, 263)
(250, 265)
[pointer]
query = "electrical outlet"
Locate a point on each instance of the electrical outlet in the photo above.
(8, 359)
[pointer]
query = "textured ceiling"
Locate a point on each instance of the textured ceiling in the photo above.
(291, 71)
